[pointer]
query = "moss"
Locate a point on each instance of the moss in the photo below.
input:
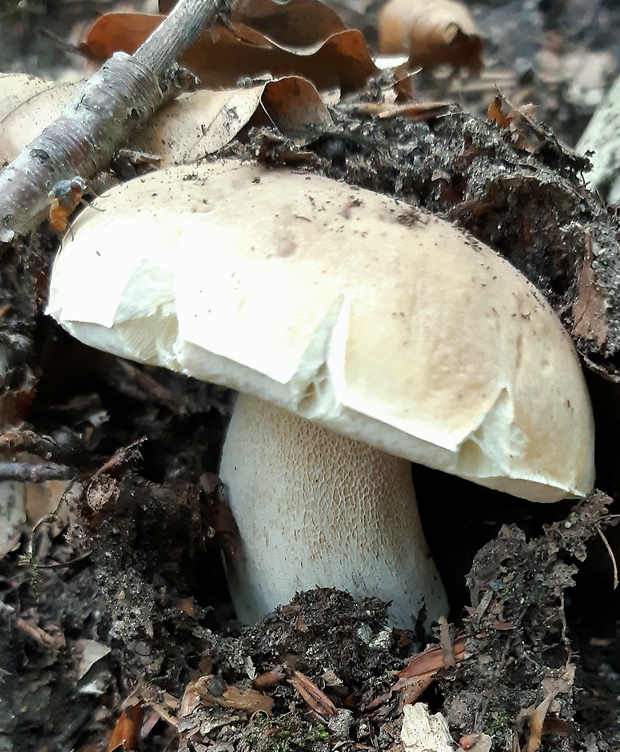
(286, 733)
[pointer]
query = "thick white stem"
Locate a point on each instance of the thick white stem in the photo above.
(317, 509)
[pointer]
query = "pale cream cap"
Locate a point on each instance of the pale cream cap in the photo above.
(375, 319)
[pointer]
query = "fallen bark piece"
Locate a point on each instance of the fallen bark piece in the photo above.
(423, 732)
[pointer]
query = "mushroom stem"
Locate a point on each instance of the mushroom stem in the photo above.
(317, 509)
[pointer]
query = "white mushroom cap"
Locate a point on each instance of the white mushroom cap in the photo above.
(398, 336)
(374, 319)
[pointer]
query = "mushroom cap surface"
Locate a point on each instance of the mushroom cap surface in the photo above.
(371, 317)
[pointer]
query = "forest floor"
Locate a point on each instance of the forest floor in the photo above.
(114, 609)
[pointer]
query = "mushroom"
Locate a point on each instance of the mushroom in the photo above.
(361, 334)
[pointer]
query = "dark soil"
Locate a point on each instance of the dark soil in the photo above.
(114, 607)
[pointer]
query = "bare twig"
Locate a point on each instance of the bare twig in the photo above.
(611, 555)
(123, 94)
(33, 473)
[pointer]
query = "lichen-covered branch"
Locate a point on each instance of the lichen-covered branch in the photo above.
(123, 94)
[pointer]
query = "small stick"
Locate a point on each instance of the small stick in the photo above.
(124, 93)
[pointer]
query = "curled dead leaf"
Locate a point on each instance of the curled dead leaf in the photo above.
(126, 733)
(192, 126)
(431, 32)
(16, 88)
(249, 700)
(202, 122)
(296, 22)
(222, 59)
(513, 119)
(419, 673)
(30, 115)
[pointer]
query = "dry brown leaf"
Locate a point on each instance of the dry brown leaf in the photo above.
(297, 22)
(495, 112)
(513, 119)
(294, 105)
(126, 733)
(249, 700)
(560, 683)
(431, 32)
(29, 117)
(191, 127)
(431, 660)
(197, 124)
(419, 112)
(202, 122)
(16, 88)
(223, 59)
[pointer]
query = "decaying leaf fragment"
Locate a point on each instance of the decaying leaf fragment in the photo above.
(431, 32)
(229, 55)
(418, 674)
(513, 119)
(190, 127)
(16, 88)
(126, 733)
(538, 715)
(204, 121)
(207, 691)
(22, 118)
